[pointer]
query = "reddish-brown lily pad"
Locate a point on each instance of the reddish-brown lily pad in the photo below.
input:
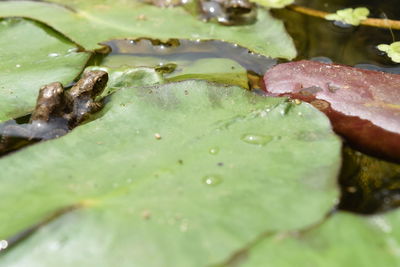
(363, 105)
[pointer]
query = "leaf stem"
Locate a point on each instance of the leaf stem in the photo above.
(373, 22)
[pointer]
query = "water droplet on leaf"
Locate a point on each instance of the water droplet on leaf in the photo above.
(212, 180)
(256, 139)
(214, 150)
(53, 55)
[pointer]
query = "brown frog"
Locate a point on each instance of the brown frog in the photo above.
(56, 111)
(80, 99)
(227, 12)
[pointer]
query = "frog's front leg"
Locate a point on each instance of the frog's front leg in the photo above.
(90, 108)
(95, 107)
(81, 111)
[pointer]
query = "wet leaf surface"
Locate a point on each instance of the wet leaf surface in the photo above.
(91, 22)
(169, 175)
(26, 66)
(363, 105)
(342, 240)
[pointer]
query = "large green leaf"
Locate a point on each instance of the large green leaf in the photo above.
(343, 240)
(181, 174)
(91, 22)
(31, 56)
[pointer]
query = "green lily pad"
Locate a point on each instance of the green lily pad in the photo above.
(128, 77)
(180, 174)
(91, 22)
(221, 70)
(343, 240)
(32, 55)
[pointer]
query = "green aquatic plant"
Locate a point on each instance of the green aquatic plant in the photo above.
(349, 15)
(392, 50)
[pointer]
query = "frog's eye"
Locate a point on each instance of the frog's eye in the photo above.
(100, 80)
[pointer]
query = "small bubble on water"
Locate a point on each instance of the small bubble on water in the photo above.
(212, 180)
(256, 139)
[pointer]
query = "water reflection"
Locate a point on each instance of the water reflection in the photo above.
(315, 37)
(186, 50)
